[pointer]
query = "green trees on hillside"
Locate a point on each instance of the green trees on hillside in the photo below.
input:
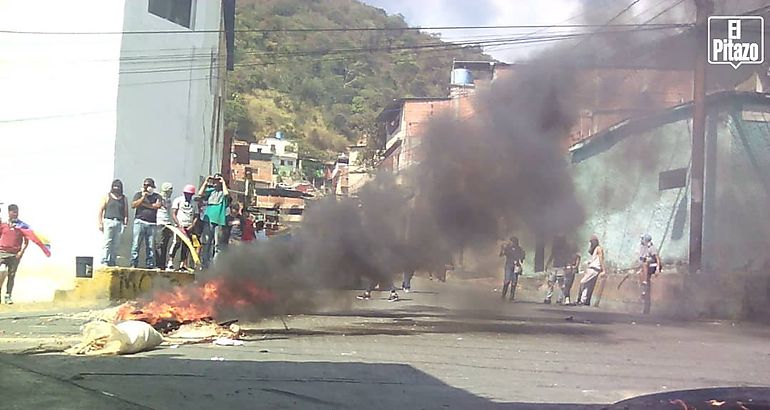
(311, 86)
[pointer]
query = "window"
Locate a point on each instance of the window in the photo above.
(290, 163)
(259, 150)
(283, 162)
(175, 11)
(675, 178)
(272, 148)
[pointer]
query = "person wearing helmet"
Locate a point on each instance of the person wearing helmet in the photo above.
(650, 260)
(184, 211)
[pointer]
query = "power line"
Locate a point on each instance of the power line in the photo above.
(210, 59)
(328, 29)
(665, 11)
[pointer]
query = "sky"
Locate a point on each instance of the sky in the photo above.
(428, 13)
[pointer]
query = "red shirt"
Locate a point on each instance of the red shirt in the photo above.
(248, 231)
(11, 239)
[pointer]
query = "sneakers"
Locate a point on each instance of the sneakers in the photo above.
(407, 290)
(364, 296)
(393, 297)
(547, 301)
(7, 300)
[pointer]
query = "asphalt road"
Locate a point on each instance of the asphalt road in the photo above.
(443, 347)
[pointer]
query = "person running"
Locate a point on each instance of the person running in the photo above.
(596, 267)
(514, 260)
(113, 218)
(648, 256)
(13, 244)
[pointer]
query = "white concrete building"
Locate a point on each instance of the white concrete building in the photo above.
(87, 98)
(284, 154)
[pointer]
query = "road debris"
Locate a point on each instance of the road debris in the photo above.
(716, 403)
(226, 341)
(102, 338)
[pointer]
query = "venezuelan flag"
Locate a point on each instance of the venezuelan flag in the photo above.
(36, 238)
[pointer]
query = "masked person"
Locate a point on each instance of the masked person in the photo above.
(514, 259)
(184, 212)
(113, 218)
(164, 236)
(146, 203)
(562, 274)
(648, 256)
(13, 244)
(596, 267)
(235, 222)
(217, 198)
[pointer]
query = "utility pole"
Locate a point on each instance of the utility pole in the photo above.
(704, 9)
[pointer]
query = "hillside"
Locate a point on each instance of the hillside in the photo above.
(325, 88)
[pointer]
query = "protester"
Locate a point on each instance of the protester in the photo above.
(184, 212)
(563, 260)
(217, 198)
(200, 232)
(163, 235)
(249, 232)
(146, 202)
(596, 267)
(514, 260)
(13, 244)
(113, 218)
(261, 234)
(235, 224)
(648, 256)
(406, 284)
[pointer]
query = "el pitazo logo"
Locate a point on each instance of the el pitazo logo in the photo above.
(736, 40)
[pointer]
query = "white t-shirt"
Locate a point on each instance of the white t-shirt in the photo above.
(185, 212)
(164, 217)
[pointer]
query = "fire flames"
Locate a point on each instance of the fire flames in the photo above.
(193, 303)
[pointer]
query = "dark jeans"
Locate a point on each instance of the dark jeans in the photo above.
(569, 279)
(163, 241)
(407, 283)
(12, 263)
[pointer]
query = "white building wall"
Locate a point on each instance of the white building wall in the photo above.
(619, 191)
(57, 124)
(168, 100)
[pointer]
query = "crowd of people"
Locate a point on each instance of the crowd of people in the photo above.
(564, 264)
(197, 225)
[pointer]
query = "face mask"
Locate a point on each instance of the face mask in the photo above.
(150, 189)
(116, 190)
